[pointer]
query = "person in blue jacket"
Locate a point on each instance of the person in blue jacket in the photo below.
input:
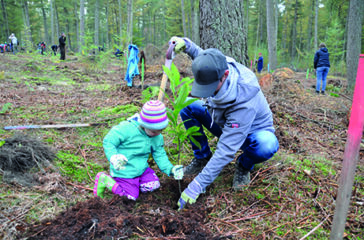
(321, 64)
(235, 110)
(260, 63)
(128, 145)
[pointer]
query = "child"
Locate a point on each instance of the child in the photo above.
(128, 146)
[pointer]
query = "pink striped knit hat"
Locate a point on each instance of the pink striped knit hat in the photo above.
(153, 115)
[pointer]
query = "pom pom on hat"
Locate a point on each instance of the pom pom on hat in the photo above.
(153, 115)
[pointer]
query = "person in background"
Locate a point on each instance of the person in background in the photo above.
(128, 145)
(13, 43)
(321, 64)
(260, 63)
(42, 47)
(54, 48)
(62, 46)
(118, 53)
(235, 110)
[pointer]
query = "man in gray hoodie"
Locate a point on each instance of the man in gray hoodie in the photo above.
(235, 110)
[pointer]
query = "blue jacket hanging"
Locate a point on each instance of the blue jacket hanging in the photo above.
(133, 60)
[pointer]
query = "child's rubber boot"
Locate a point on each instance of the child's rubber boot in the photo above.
(103, 181)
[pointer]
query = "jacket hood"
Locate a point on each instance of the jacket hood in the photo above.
(237, 88)
(324, 49)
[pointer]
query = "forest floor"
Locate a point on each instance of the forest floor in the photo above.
(291, 196)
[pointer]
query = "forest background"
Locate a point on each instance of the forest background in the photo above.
(297, 26)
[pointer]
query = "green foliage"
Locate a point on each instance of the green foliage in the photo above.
(180, 90)
(335, 41)
(150, 93)
(121, 109)
(75, 167)
(5, 107)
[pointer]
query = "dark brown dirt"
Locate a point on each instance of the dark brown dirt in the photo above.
(121, 218)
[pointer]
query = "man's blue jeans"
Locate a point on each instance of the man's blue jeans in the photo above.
(257, 147)
(321, 74)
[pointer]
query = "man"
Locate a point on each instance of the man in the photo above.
(13, 43)
(62, 46)
(54, 48)
(235, 111)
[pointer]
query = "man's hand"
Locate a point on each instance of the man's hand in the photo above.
(190, 194)
(180, 44)
(177, 172)
(118, 161)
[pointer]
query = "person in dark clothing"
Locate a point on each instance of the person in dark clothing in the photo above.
(260, 63)
(321, 64)
(62, 46)
(142, 58)
(118, 53)
(42, 47)
(54, 48)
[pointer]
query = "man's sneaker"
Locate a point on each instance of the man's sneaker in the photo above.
(196, 165)
(323, 92)
(241, 177)
(102, 181)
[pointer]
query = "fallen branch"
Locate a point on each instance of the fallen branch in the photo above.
(79, 186)
(314, 229)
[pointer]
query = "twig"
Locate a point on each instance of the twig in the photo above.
(248, 217)
(314, 229)
(84, 158)
(79, 186)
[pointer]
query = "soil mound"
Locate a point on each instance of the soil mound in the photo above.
(121, 218)
(19, 154)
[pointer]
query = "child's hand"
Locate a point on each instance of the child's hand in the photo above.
(177, 172)
(118, 161)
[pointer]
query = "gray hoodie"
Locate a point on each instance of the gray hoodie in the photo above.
(239, 108)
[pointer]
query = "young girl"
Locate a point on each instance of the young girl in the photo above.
(128, 146)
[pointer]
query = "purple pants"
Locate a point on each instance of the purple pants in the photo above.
(129, 187)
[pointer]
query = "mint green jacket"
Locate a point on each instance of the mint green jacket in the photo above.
(129, 138)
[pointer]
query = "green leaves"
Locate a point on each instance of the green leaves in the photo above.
(180, 90)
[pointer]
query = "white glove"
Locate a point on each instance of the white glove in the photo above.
(118, 161)
(177, 172)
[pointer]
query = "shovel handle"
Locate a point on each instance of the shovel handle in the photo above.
(168, 62)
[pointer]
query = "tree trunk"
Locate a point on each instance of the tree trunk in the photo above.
(77, 27)
(67, 28)
(130, 21)
(247, 18)
(107, 24)
(223, 31)
(195, 34)
(82, 24)
(272, 37)
(27, 23)
(120, 22)
(355, 19)
(5, 16)
(53, 39)
(309, 31)
(183, 18)
(316, 22)
(57, 20)
(46, 36)
(294, 32)
(96, 40)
